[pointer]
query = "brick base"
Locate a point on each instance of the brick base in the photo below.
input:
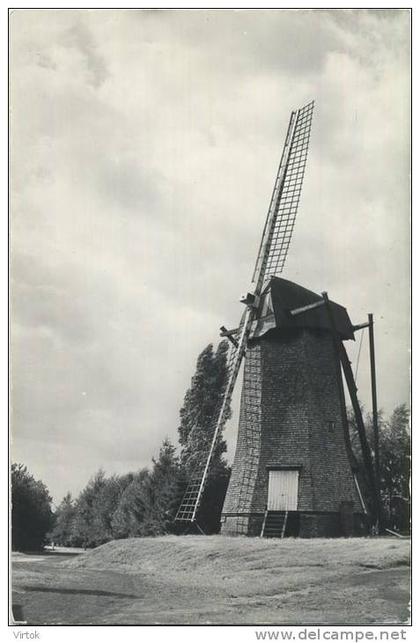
(307, 525)
(238, 526)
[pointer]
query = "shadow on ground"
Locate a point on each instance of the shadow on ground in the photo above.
(78, 592)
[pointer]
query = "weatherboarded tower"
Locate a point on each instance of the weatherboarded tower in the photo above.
(293, 471)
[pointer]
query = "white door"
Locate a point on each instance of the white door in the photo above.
(282, 490)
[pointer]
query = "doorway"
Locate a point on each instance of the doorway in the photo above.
(282, 490)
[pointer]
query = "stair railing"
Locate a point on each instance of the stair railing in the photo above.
(264, 521)
(283, 530)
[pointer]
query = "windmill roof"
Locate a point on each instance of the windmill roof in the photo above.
(280, 296)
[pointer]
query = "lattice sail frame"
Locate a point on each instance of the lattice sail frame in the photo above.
(284, 202)
(271, 257)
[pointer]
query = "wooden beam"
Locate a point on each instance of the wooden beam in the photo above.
(339, 378)
(360, 326)
(366, 452)
(394, 533)
(224, 332)
(374, 409)
(351, 386)
(304, 309)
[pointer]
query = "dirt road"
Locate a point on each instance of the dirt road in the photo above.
(52, 589)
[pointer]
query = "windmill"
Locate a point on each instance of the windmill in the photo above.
(293, 471)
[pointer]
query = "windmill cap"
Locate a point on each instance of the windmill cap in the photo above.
(281, 296)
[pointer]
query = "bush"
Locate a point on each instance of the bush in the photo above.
(32, 517)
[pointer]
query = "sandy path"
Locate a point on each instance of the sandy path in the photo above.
(49, 589)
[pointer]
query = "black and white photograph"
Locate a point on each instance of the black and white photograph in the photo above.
(210, 317)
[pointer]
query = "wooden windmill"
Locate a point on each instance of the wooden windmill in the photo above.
(293, 472)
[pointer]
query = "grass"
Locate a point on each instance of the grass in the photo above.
(218, 579)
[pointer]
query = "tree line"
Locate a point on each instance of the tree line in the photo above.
(144, 503)
(141, 503)
(394, 464)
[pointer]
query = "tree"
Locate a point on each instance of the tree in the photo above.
(63, 531)
(161, 493)
(394, 459)
(395, 468)
(104, 507)
(84, 528)
(32, 517)
(148, 504)
(96, 506)
(128, 516)
(202, 402)
(138, 504)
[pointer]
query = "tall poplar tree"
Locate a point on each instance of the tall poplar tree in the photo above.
(202, 401)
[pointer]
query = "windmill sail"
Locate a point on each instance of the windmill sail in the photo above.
(285, 198)
(271, 257)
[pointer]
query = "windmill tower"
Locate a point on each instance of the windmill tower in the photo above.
(293, 472)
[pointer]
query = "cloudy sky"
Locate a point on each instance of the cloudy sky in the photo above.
(144, 146)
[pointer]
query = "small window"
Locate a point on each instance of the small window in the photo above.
(331, 426)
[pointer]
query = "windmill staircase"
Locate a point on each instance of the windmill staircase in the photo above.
(280, 524)
(274, 524)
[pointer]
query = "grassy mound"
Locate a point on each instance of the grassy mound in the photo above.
(216, 579)
(221, 559)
